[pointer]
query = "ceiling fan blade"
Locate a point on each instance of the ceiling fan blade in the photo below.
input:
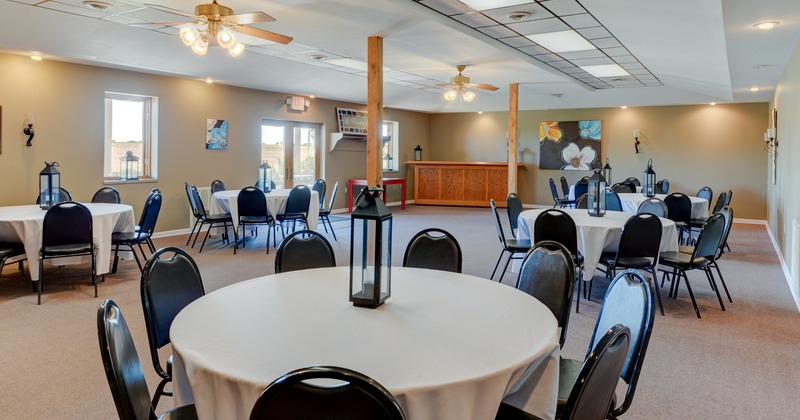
(445, 85)
(248, 18)
(171, 10)
(158, 24)
(482, 86)
(260, 33)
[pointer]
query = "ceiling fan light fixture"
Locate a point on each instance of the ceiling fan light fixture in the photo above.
(468, 96)
(189, 36)
(226, 39)
(451, 95)
(237, 50)
(200, 46)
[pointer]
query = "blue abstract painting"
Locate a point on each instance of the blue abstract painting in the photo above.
(216, 134)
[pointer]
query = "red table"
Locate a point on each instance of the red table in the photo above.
(386, 181)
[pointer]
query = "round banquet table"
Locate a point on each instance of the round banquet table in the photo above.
(631, 203)
(598, 234)
(446, 345)
(24, 224)
(226, 202)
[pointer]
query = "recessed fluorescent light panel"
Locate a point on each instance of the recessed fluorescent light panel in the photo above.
(492, 4)
(605, 70)
(562, 41)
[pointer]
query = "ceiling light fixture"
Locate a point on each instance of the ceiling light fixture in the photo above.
(605, 70)
(562, 41)
(624, 107)
(518, 15)
(465, 95)
(318, 57)
(492, 4)
(209, 80)
(754, 89)
(713, 104)
(36, 56)
(96, 5)
(766, 25)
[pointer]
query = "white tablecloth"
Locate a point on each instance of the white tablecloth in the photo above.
(598, 234)
(446, 345)
(24, 224)
(225, 202)
(631, 202)
(571, 195)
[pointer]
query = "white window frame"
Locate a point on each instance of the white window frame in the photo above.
(149, 159)
(391, 147)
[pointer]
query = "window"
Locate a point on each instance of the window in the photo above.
(292, 150)
(390, 142)
(130, 126)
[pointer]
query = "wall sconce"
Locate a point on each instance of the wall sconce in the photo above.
(636, 139)
(298, 103)
(28, 129)
(770, 142)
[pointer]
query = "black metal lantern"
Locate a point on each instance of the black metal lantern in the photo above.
(607, 172)
(388, 162)
(596, 195)
(649, 178)
(49, 185)
(128, 166)
(370, 250)
(417, 153)
(265, 177)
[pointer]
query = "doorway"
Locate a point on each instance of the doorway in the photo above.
(292, 149)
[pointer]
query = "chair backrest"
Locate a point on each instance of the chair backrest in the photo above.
(198, 201)
(582, 202)
(190, 197)
(496, 216)
(437, 252)
(708, 241)
(251, 202)
(593, 391)
(358, 397)
(613, 203)
(581, 188)
(333, 195)
(664, 186)
(299, 200)
(63, 196)
(659, 187)
(653, 206)
(628, 301)
(727, 215)
(302, 250)
(621, 188)
(728, 198)
(679, 207)
(706, 193)
(723, 197)
(514, 208)
(641, 237)
(217, 185)
(121, 364)
(67, 223)
(106, 195)
(150, 213)
(633, 180)
(320, 187)
(564, 187)
(548, 274)
(169, 283)
(553, 191)
(556, 225)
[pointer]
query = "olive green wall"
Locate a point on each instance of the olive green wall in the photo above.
(68, 100)
(692, 146)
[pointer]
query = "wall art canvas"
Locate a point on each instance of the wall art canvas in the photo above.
(216, 134)
(570, 145)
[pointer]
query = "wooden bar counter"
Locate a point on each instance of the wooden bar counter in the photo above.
(460, 183)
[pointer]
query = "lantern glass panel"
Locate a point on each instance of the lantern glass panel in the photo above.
(596, 195)
(49, 187)
(265, 176)
(370, 261)
(649, 187)
(417, 153)
(607, 173)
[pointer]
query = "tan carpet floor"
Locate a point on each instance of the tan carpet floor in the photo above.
(741, 363)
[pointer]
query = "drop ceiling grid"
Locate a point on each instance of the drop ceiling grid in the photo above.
(551, 16)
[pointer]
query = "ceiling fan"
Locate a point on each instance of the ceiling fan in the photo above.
(220, 23)
(460, 83)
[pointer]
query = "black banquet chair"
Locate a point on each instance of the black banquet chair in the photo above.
(63, 196)
(613, 203)
(252, 205)
(67, 231)
(512, 246)
(633, 180)
(564, 187)
(556, 225)
(548, 274)
(169, 283)
(679, 210)
(11, 250)
(302, 250)
(358, 397)
(124, 370)
(558, 201)
(653, 206)
(320, 187)
(325, 213)
(631, 291)
(142, 234)
(514, 208)
(435, 249)
(217, 186)
(202, 217)
(106, 195)
(296, 207)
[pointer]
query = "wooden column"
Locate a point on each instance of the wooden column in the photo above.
(374, 110)
(513, 108)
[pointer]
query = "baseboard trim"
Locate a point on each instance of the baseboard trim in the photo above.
(786, 274)
(169, 233)
(751, 221)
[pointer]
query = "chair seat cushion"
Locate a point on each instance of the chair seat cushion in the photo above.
(681, 259)
(68, 249)
(509, 412)
(568, 371)
(608, 259)
(253, 219)
(222, 217)
(324, 212)
(290, 216)
(8, 249)
(128, 237)
(681, 225)
(518, 245)
(686, 249)
(697, 222)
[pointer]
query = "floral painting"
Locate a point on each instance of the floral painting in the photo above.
(216, 134)
(570, 145)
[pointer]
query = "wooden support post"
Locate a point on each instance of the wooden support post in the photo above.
(374, 110)
(513, 108)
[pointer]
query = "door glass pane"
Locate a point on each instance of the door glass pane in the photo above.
(272, 151)
(127, 134)
(304, 155)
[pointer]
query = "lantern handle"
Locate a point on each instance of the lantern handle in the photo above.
(649, 163)
(52, 164)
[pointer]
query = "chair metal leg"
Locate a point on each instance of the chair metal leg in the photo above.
(505, 268)
(94, 272)
(691, 295)
(208, 232)
(192, 232)
(116, 260)
(235, 240)
(138, 263)
(711, 279)
(199, 229)
(722, 280)
(40, 283)
(497, 264)
(658, 291)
